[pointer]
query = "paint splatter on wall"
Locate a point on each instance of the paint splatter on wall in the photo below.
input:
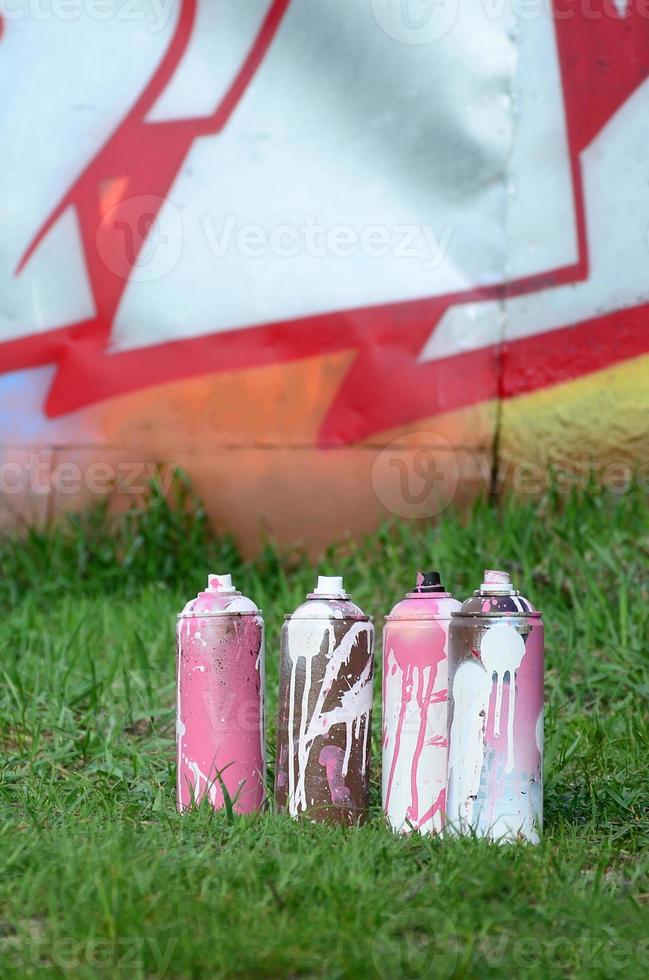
(240, 222)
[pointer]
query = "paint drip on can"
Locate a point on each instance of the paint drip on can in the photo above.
(325, 708)
(495, 774)
(220, 699)
(415, 706)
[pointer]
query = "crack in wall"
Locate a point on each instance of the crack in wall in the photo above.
(513, 32)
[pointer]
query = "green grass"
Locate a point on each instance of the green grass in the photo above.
(100, 876)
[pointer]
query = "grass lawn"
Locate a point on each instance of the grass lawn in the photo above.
(100, 876)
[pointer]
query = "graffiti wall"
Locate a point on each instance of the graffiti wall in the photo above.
(339, 261)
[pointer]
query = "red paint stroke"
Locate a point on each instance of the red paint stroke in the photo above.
(141, 159)
(603, 59)
(439, 806)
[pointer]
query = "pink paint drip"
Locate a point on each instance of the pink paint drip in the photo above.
(418, 651)
(332, 758)
(415, 647)
(439, 806)
(529, 703)
(424, 701)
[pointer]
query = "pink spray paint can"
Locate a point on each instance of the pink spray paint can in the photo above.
(220, 701)
(415, 708)
(495, 775)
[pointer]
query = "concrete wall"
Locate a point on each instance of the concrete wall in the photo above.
(335, 260)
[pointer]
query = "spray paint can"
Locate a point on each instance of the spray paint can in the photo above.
(415, 706)
(220, 699)
(325, 708)
(495, 776)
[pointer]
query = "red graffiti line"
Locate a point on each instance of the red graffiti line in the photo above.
(140, 160)
(603, 60)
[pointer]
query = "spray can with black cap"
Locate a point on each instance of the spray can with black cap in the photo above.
(415, 721)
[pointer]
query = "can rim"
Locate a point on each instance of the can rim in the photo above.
(417, 619)
(505, 614)
(330, 619)
(220, 614)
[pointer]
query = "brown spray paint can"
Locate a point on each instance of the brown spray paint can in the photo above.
(325, 708)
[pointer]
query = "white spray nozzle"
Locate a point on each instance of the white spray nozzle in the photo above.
(496, 580)
(329, 585)
(220, 583)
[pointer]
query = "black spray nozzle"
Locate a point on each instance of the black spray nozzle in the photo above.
(429, 582)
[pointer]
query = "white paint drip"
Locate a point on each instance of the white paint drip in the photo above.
(304, 641)
(291, 743)
(366, 755)
(471, 690)
(538, 734)
(348, 749)
(201, 779)
(502, 650)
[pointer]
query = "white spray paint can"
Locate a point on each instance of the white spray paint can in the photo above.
(325, 708)
(415, 706)
(495, 772)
